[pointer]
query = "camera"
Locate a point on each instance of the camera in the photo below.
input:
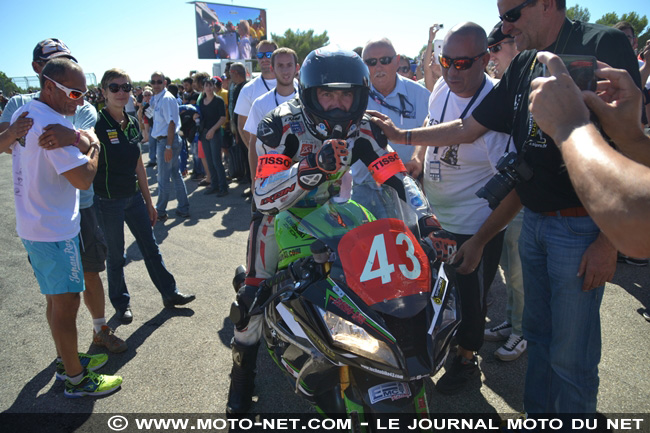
(512, 170)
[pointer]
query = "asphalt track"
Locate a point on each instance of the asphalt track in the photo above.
(178, 360)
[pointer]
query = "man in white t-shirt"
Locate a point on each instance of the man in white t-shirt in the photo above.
(253, 90)
(452, 175)
(46, 194)
(284, 65)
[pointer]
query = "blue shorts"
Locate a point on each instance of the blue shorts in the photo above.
(56, 265)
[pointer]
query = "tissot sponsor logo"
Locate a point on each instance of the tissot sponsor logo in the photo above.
(386, 160)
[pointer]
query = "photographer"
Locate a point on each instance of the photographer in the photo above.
(565, 259)
(614, 189)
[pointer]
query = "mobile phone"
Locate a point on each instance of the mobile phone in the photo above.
(437, 50)
(582, 69)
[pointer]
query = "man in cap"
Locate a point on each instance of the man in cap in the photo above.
(93, 246)
(502, 50)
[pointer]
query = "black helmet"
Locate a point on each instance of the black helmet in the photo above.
(335, 69)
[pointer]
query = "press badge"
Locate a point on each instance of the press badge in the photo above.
(434, 171)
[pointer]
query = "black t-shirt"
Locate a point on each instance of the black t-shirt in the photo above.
(118, 158)
(212, 112)
(505, 109)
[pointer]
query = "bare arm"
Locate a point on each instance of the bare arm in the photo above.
(171, 131)
(143, 183)
(82, 177)
(430, 67)
(252, 154)
(457, 131)
(10, 133)
(245, 136)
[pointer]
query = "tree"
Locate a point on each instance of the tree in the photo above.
(7, 86)
(301, 42)
(576, 13)
(639, 23)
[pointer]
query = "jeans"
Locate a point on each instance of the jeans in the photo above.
(112, 214)
(561, 322)
(511, 264)
(212, 150)
(167, 170)
(152, 149)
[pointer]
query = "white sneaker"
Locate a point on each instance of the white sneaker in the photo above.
(514, 347)
(498, 333)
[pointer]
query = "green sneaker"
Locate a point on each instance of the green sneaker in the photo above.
(89, 362)
(92, 384)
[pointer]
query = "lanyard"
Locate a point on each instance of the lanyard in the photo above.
(275, 95)
(469, 105)
(265, 85)
(403, 112)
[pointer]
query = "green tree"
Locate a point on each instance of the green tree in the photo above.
(576, 13)
(301, 42)
(639, 23)
(7, 86)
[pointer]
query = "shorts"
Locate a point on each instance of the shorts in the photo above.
(92, 242)
(201, 152)
(56, 265)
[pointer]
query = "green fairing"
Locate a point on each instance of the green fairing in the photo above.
(295, 228)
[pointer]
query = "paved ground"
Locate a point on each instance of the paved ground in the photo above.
(178, 360)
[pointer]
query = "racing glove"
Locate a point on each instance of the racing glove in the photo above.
(332, 158)
(439, 243)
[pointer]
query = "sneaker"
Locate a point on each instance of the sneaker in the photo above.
(93, 384)
(162, 217)
(88, 362)
(458, 375)
(514, 347)
(498, 333)
(646, 315)
(106, 338)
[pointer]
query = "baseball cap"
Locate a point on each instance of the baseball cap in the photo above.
(51, 48)
(496, 35)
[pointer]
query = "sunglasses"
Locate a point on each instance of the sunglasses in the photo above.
(386, 60)
(70, 93)
(266, 54)
(515, 13)
(496, 48)
(156, 81)
(460, 63)
(114, 87)
(404, 69)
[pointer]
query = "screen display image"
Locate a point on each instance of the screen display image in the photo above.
(228, 31)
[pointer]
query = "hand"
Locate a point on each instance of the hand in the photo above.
(555, 102)
(153, 214)
(334, 156)
(617, 105)
(392, 132)
(598, 263)
(55, 136)
(168, 155)
(209, 135)
(433, 31)
(21, 126)
(443, 244)
(414, 168)
(469, 256)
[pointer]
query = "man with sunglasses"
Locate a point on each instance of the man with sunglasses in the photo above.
(502, 50)
(93, 246)
(46, 184)
(403, 100)
(565, 259)
(166, 124)
(450, 178)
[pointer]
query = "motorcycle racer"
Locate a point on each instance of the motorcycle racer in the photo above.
(306, 146)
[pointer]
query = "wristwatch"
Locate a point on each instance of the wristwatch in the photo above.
(168, 147)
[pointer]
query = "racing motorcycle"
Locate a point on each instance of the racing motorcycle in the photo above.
(359, 316)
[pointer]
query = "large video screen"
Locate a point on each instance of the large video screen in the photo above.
(227, 31)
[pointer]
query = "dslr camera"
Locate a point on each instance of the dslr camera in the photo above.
(512, 170)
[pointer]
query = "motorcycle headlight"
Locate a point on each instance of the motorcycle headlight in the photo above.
(355, 339)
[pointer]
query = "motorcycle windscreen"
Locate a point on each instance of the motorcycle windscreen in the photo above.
(385, 266)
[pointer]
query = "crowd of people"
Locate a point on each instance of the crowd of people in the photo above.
(469, 123)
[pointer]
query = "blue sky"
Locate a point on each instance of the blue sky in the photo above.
(142, 37)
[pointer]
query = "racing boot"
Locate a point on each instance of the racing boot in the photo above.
(242, 378)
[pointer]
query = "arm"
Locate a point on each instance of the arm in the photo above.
(10, 133)
(430, 67)
(215, 128)
(81, 177)
(245, 136)
(252, 153)
(143, 183)
(171, 131)
(457, 131)
(472, 250)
